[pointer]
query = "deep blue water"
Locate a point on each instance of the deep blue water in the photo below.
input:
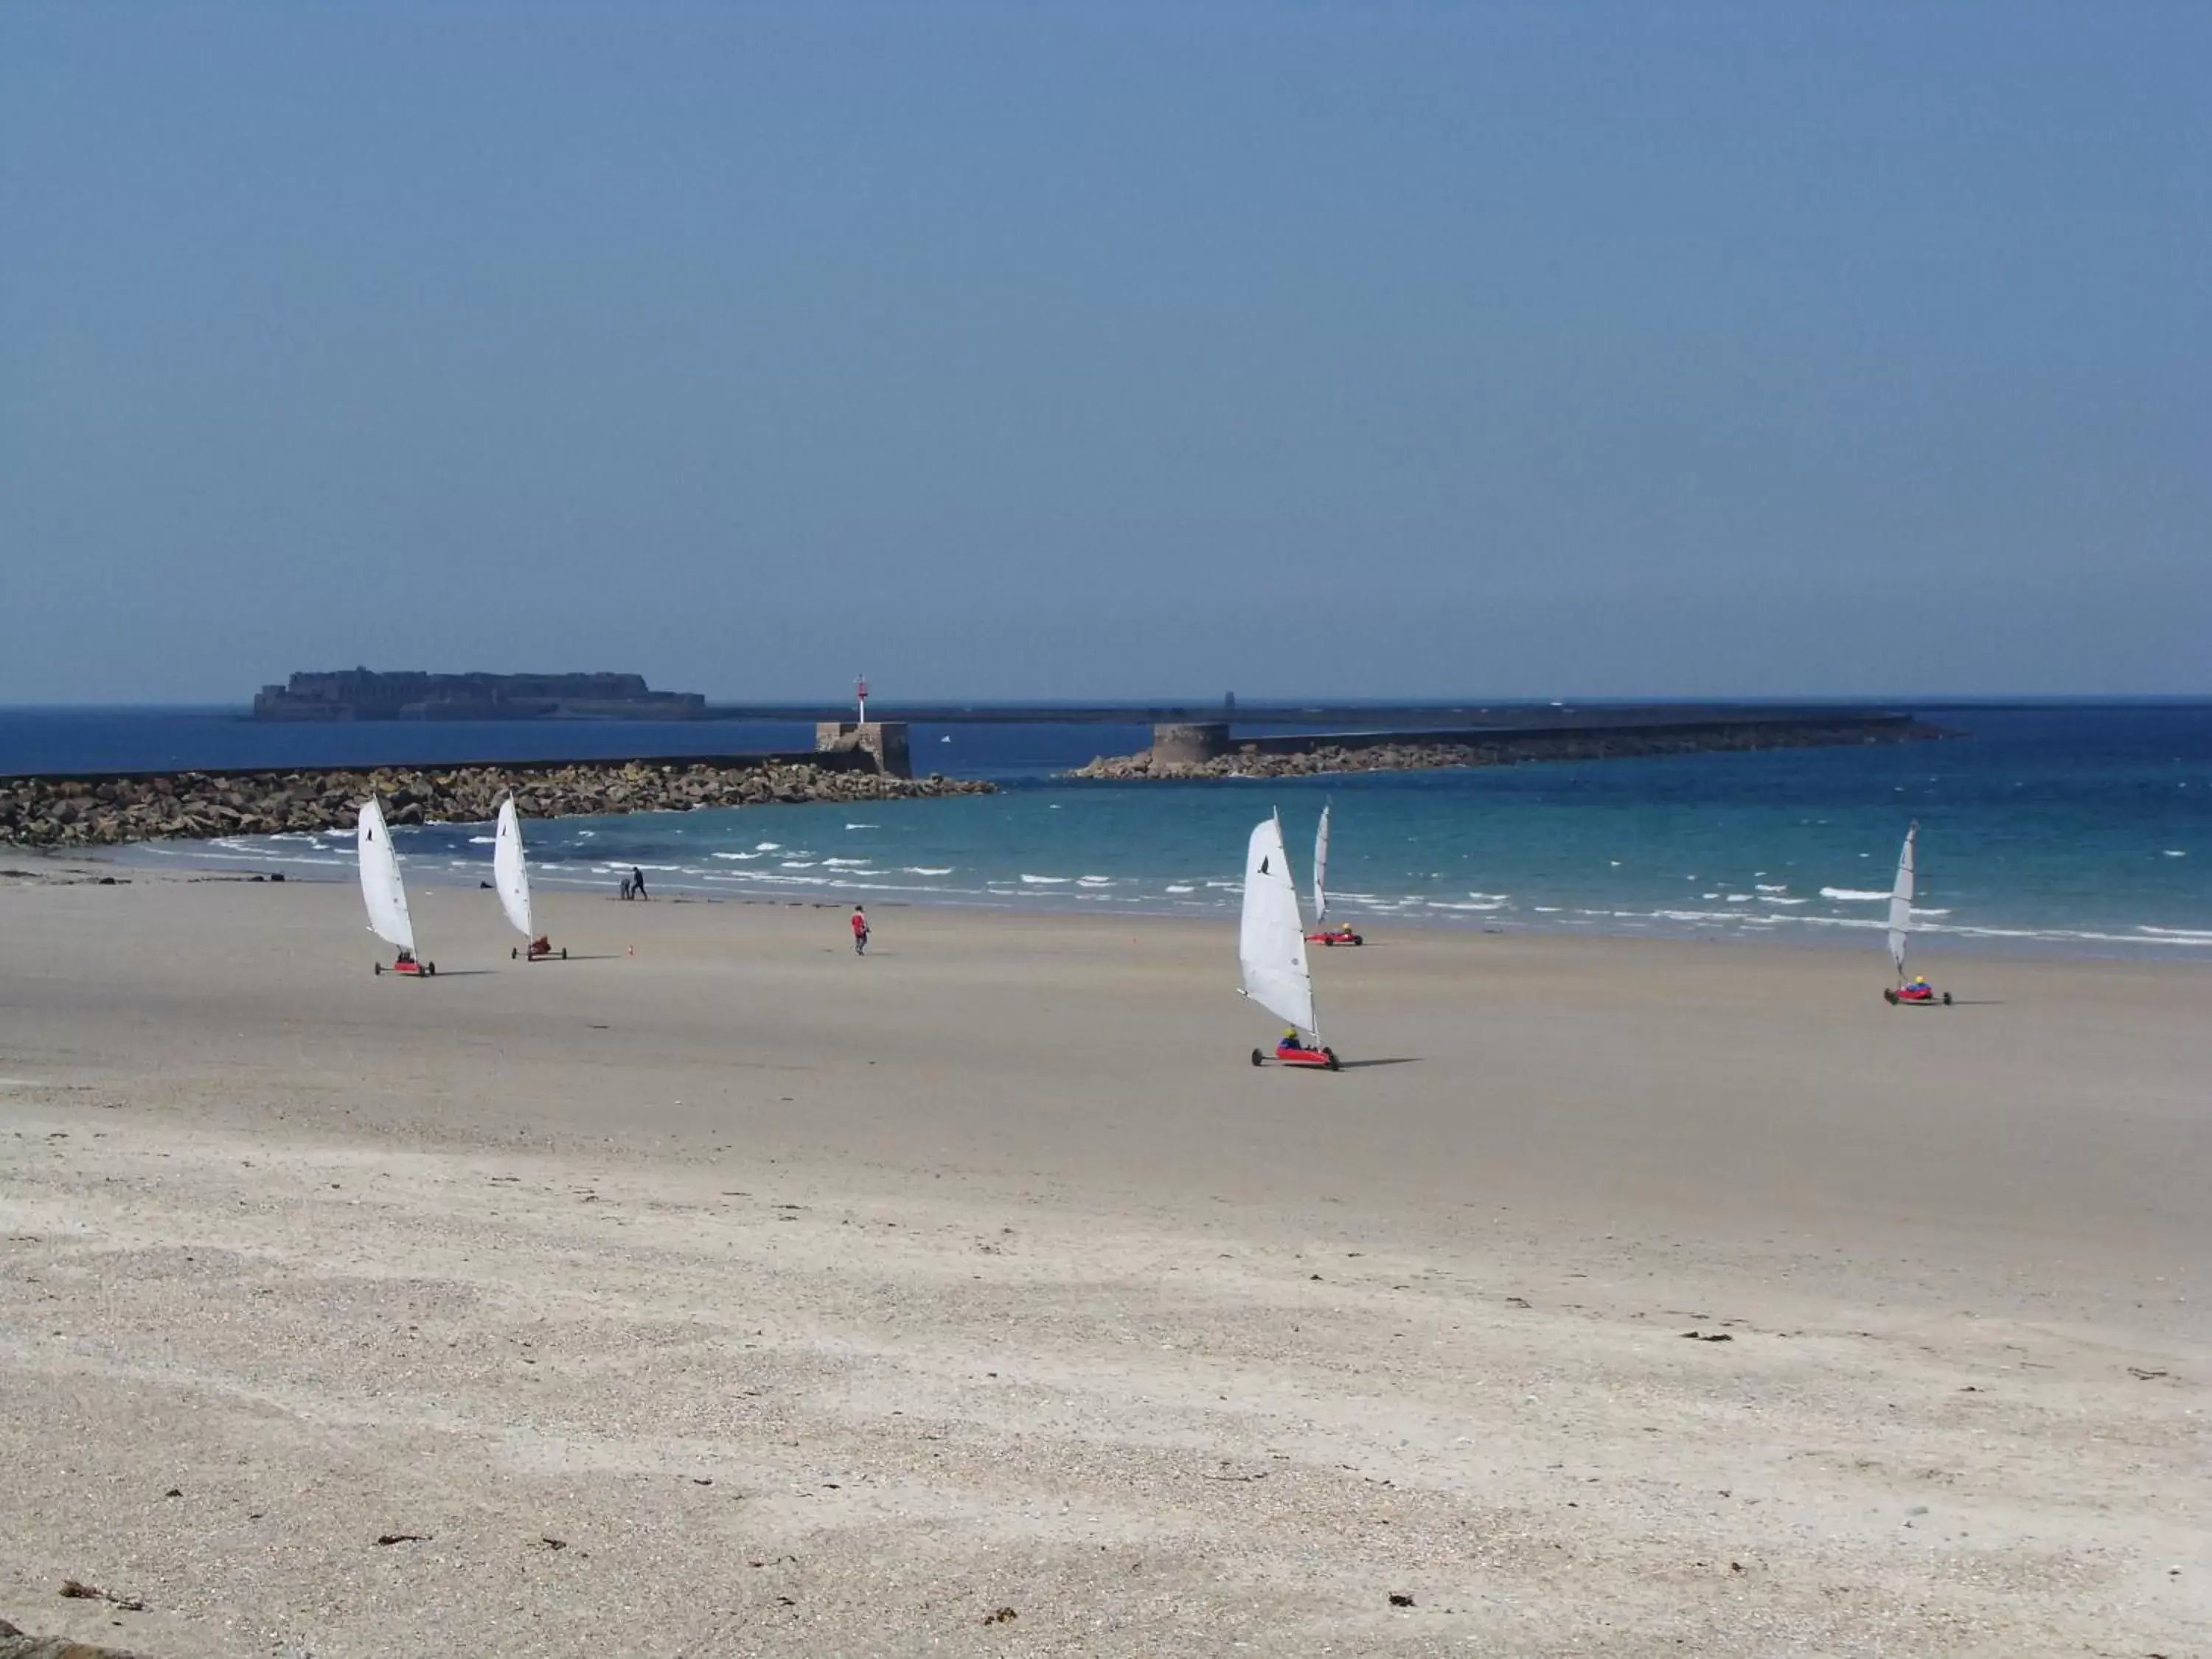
(2081, 828)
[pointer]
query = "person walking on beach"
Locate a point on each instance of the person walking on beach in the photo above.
(634, 887)
(859, 932)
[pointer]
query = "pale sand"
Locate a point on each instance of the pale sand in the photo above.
(986, 1272)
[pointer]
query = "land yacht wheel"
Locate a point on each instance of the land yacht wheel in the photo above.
(1258, 1059)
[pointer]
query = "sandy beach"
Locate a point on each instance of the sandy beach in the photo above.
(715, 1293)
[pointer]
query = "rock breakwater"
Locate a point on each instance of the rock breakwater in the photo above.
(1276, 758)
(107, 812)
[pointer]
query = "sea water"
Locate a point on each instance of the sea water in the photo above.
(2083, 828)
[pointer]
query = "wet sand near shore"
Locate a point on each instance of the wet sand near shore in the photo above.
(736, 1296)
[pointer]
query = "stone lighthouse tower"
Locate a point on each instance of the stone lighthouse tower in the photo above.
(883, 741)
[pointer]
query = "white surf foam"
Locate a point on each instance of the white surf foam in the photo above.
(1046, 881)
(1852, 895)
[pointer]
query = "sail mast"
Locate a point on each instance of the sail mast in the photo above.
(381, 889)
(1271, 939)
(1321, 868)
(511, 871)
(1900, 902)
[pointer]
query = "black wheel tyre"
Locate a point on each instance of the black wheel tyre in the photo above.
(1890, 997)
(511, 953)
(1333, 1065)
(434, 970)
(376, 966)
(564, 953)
(1257, 1058)
(1947, 999)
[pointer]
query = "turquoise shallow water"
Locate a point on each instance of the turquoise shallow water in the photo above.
(2086, 829)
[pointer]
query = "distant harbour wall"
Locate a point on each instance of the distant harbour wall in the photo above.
(1201, 750)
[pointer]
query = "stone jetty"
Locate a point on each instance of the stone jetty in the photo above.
(100, 812)
(1305, 757)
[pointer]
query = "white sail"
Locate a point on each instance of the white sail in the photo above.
(509, 873)
(1320, 868)
(1271, 944)
(380, 880)
(1900, 902)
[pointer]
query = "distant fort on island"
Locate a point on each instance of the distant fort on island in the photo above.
(361, 693)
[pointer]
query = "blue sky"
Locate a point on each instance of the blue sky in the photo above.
(1088, 351)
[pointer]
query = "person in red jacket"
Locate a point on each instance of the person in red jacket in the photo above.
(859, 932)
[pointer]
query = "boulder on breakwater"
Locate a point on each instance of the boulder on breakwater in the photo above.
(106, 811)
(1276, 757)
(15, 1644)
